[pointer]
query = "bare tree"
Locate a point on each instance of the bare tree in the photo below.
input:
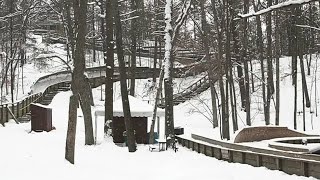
(109, 54)
(123, 81)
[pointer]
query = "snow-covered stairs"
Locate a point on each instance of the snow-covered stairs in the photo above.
(47, 98)
(190, 92)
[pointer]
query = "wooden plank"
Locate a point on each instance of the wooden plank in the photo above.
(314, 169)
(195, 147)
(190, 144)
(304, 168)
(279, 164)
(13, 116)
(208, 151)
(237, 157)
(259, 160)
(217, 153)
(230, 156)
(286, 164)
(18, 109)
(7, 113)
(292, 167)
(269, 162)
(250, 159)
(1, 116)
(202, 148)
(240, 147)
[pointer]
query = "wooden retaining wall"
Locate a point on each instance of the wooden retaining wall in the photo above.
(22, 107)
(290, 163)
(18, 109)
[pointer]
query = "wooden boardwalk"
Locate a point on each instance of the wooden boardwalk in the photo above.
(288, 162)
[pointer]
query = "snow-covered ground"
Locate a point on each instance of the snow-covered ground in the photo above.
(26, 155)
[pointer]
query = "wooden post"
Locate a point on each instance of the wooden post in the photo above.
(12, 109)
(7, 113)
(230, 154)
(243, 157)
(259, 160)
(18, 110)
(22, 108)
(27, 104)
(212, 151)
(1, 115)
(279, 164)
(305, 168)
(220, 154)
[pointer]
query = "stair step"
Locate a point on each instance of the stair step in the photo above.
(45, 102)
(24, 119)
(63, 89)
(50, 96)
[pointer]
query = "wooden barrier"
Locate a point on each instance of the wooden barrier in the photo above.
(22, 107)
(290, 163)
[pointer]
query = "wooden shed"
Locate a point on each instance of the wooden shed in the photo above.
(140, 112)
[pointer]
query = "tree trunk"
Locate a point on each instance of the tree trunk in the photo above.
(168, 71)
(236, 50)
(206, 46)
(270, 86)
(72, 128)
(80, 85)
(11, 10)
(154, 114)
(155, 57)
(123, 81)
(220, 72)
(109, 64)
(224, 93)
(134, 29)
(277, 42)
(245, 63)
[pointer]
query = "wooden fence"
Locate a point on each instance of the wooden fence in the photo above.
(291, 163)
(21, 108)
(17, 109)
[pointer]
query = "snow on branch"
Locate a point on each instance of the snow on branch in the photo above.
(310, 27)
(181, 19)
(167, 37)
(274, 7)
(170, 33)
(10, 15)
(130, 18)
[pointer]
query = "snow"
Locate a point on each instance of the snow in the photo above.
(33, 155)
(274, 7)
(138, 108)
(38, 156)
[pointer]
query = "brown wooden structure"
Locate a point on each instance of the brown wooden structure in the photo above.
(41, 118)
(140, 127)
(251, 134)
(288, 162)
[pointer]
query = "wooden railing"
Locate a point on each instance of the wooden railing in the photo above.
(288, 162)
(17, 109)
(193, 87)
(21, 108)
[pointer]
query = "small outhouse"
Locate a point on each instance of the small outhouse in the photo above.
(141, 115)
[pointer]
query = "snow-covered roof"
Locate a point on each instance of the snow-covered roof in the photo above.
(138, 108)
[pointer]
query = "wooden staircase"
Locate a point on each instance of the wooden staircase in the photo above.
(190, 92)
(46, 99)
